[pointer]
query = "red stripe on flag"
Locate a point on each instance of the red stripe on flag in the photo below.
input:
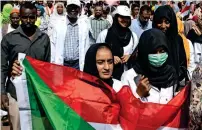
(79, 91)
(135, 115)
(74, 88)
(185, 9)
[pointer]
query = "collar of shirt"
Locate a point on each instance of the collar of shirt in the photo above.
(135, 18)
(101, 18)
(72, 24)
(20, 31)
(10, 27)
(141, 24)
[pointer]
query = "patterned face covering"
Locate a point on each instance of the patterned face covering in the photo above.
(196, 99)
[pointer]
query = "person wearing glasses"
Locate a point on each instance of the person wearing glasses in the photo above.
(142, 22)
(28, 39)
(71, 38)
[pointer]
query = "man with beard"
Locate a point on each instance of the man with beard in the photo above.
(97, 22)
(142, 23)
(27, 38)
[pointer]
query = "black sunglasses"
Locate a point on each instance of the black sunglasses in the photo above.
(30, 17)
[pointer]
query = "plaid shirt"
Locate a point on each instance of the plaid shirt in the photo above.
(98, 25)
(71, 50)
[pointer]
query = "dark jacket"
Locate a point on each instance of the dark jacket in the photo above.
(17, 42)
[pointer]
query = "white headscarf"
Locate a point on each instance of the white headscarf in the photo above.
(55, 18)
(55, 12)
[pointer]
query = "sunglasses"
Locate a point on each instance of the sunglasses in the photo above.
(28, 17)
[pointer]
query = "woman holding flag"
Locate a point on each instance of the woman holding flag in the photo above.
(99, 62)
(152, 79)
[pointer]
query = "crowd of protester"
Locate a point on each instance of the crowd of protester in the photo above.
(155, 49)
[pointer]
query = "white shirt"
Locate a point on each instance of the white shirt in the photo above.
(110, 19)
(127, 49)
(10, 29)
(55, 21)
(58, 38)
(162, 96)
(192, 65)
(137, 28)
(117, 85)
(198, 52)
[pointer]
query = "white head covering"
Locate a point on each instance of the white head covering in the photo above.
(55, 12)
(74, 2)
(122, 10)
(56, 20)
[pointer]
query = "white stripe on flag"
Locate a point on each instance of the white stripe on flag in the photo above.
(184, 13)
(20, 83)
(171, 128)
(101, 126)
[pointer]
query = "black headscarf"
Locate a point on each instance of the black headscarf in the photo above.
(160, 77)
(118, 37)
(90, 61)
(175, 42)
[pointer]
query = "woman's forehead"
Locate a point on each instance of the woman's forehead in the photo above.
(104, 51)
(59, 5)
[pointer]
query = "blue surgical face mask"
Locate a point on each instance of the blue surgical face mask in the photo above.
(157, 60)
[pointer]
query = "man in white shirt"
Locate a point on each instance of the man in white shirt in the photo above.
(142, 23)
(71, 40)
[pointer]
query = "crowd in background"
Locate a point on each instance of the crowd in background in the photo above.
(153, 47)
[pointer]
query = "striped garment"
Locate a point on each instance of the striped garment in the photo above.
(98, 25)
(72, 42)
